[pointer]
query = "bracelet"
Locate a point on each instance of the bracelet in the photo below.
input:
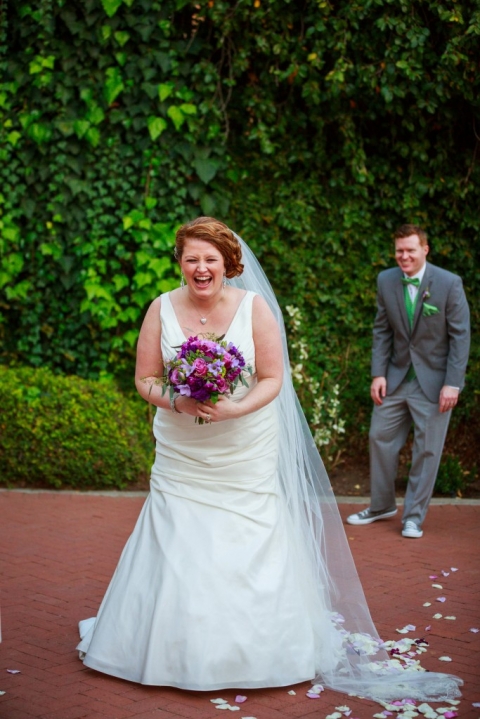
(172, 404)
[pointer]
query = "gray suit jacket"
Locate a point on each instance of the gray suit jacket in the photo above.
(437, 346)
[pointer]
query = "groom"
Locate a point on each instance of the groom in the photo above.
(421, 340)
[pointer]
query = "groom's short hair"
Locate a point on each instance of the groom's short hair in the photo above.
(408, 230)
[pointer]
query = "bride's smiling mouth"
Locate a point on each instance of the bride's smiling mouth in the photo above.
(202, 281)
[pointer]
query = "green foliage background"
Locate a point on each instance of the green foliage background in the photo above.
(313, 128)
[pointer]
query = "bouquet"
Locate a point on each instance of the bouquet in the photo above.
(205, 369)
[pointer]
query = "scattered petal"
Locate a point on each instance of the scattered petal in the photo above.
(427, 629)
(444, 659)
(437, 586)
(454, 569)
(292, 693)
(406, 629)
(14, 671)
(450, 715)
(223, 706)
(427, 604)
(335, 715)
(317, 688)
(475, 704)
(2, 693)
(437, 616)
(450, 617)
(433, 576)
(445, 574)
(240, 699)
(218, 701)
(441, 599)
(344, 710)
(233, 709)
(313, 695)
(475, 630)
(380, 716)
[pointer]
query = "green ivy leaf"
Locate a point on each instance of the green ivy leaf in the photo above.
(113, 84)
(95, 115)
(39, 132)
(206, 169)
(81, 127)
(13, 137)
(176, 115)
(165, 90)
(156, 125)
(93, 136)
(188, 109)
(111, 6)
(121, 58)
(122, 37)
(150, 203)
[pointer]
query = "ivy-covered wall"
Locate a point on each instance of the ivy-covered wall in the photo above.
(313, 128)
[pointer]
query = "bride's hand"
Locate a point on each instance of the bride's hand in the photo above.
(222, 410)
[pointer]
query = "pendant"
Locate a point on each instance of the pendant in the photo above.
(203, 320)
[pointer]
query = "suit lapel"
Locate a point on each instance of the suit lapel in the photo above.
(426, 283)
(400, 297)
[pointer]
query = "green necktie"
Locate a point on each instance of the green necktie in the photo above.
(410, 307)
(411, 281)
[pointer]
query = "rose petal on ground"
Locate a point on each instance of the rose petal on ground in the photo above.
(441, 599)
(335, 715)
(222, 706)
(292, 693)
(344, 710)
(437, 616)
(218, 701)
(232, 709)
(475, 630)
(444, 659)
(450, 715)
(240, 699)
(450, 617)
(437, 586)
(2, 693)
(14, 671)
(427, 604)
(445, 574)
(317, 688)
(454, 569)
(475, 704)
(433, 576)
(313, 695)
(427, 629)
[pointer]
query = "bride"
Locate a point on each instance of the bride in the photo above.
(238, 572)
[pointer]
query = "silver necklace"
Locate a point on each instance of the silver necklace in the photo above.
(204, 318)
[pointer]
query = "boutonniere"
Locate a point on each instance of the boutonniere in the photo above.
(428, 310)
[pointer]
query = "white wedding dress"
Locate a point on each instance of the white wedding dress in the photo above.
(214, 588)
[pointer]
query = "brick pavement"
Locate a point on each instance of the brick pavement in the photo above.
(58, 552)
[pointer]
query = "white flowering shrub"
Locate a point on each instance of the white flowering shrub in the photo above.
(320, 400)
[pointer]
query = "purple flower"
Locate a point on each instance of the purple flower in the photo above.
(222, 385)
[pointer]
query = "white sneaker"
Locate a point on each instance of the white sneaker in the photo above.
(366, 516)
(411, 529)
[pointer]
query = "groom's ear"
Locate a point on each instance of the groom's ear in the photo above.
(427, 249)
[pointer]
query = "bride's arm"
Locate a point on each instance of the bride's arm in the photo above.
(269, 366)
(149, 367)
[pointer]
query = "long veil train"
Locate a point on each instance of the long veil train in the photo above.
(365, 667)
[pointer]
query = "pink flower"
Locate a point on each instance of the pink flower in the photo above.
(222, 386)
(200, 367)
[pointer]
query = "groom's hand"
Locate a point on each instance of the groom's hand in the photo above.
(378, 389)
(448, 398)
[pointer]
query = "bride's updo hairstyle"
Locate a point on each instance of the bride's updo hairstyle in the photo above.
(219, 235)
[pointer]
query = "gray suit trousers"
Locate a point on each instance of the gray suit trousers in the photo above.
(391, 423)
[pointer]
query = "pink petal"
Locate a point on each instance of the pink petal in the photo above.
(427, 629)
(441, 599)
(240, 699)
(311, 695)
(14, 671)
(433, 576)
(450, 715)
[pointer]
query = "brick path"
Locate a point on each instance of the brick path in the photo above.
(58, 552)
